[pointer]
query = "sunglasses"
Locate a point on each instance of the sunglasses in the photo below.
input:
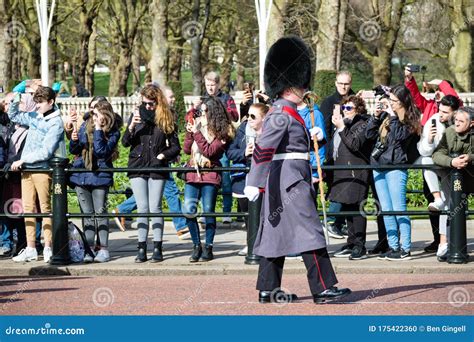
(151, 104)
(348, 108)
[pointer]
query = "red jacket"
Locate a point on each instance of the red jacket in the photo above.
(212, 151)
(428, 107)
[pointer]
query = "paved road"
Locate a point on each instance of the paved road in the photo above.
(390, 294)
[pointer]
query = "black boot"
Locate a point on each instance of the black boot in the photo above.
(197, 251)
(276, 296)
(141, 256)
(157, 252)
(207, 253)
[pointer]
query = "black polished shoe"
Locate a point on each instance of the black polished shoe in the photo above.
(380, 248)
(197, 252)
(443, 258)
(276, 296)
(141, 256)
(330, 295)
(207, 253)
(432, 247)
(157, 252)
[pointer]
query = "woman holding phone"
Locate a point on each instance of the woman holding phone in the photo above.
(240, 153)
(152, 137)
(395, 127)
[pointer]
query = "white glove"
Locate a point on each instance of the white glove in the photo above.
(252, 193)
(318, 132)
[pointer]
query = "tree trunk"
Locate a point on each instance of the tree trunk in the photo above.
(85, 23)
(460, 54)
(119, 78)
(136, 65)
(206, 65)
(276, 25)
(34, 57)
(196, 66)
(92, 58)
(381, 67)
(159, 41)
(328, 35)
(176, 59)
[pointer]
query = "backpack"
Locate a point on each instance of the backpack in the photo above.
(78, 245)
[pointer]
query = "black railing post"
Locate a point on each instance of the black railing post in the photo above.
(457, 240)
(252, 228)
(59, 208)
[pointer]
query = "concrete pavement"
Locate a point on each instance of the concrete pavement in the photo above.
(229, 240)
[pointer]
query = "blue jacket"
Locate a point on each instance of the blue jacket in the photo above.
(45, 136)
(103, 149)
(318, 122)
(236, 153)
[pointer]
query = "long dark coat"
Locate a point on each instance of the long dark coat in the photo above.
(351, 186)
(289, 220)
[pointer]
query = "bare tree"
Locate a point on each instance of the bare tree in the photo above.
(374, 28)
(122, 23)
(196, 31)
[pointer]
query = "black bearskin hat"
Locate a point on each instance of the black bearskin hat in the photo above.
(288, 64)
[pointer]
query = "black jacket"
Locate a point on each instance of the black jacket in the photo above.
(351, 186)
(146, 142)
(400, 144)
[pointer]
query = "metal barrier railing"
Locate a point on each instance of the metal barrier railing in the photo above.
(457, 211)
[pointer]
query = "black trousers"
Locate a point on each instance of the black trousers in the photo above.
(434, 218)
(320, 273)
(356, 225)
(381, 231)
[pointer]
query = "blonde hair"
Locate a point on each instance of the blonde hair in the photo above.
(163, 116)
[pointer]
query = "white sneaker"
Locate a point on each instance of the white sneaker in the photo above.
(88, 259)
(243, 251)
(226, 219)
(437, 205)
(47, 254)
(442, 250)
(26, 254)
(5, 251)
(102, 256)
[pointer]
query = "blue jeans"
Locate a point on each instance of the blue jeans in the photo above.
(6, 238)
(391, 189)
(171, 194)
(128, 206)
(335, 207)
(226, 186)
(208, 195)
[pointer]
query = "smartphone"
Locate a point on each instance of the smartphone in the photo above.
(433, 122)
(337, 109)
(415, 68)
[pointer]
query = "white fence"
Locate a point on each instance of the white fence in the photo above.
(124, 105)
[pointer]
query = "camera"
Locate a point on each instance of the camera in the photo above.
(379, 149)
(414, 67)
(198, 111)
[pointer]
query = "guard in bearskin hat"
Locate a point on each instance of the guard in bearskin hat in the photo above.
(281, 171)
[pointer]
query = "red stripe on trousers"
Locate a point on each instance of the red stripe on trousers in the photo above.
(319, 271)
